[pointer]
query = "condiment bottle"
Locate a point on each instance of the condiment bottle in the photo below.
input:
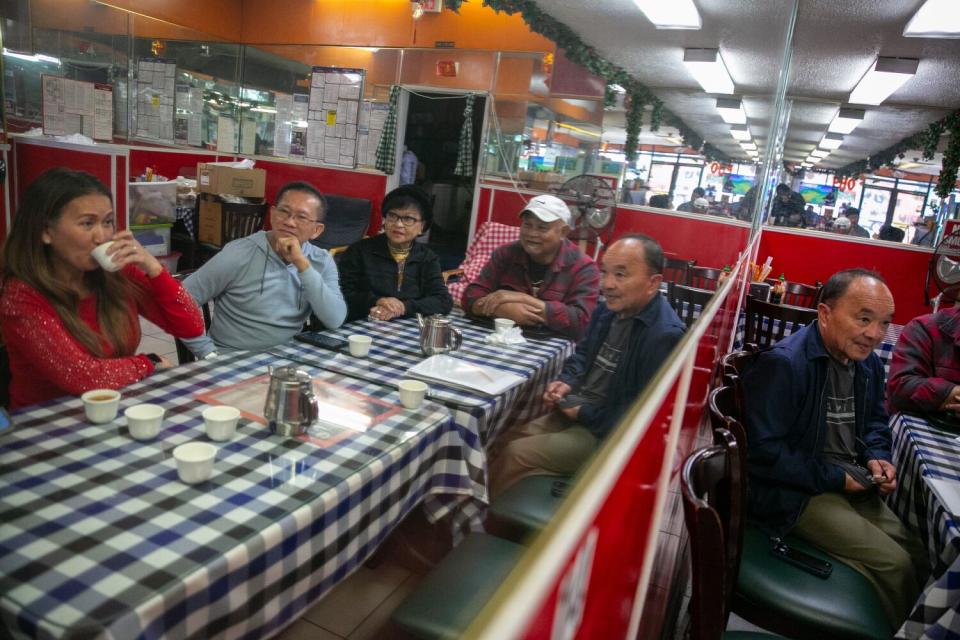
(778, 290)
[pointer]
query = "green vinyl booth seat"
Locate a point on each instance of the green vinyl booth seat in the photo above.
(526, 507)
(454, 592)
(774, 594)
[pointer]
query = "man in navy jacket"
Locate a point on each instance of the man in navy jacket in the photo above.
(819, 444)
(630, 335)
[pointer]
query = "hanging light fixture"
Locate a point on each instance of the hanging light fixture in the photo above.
(706, 65)
(846, 120)
(884, 76)
(731, 110)
(675, 14)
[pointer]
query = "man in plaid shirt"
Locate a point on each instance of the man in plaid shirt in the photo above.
(542, 279)
(925, 369)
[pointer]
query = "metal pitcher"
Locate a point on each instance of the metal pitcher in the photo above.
(438, 335)
(291, 405)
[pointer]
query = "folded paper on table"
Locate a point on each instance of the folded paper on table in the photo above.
(342, 412)
(465, 375)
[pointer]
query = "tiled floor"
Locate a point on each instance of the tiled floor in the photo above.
(356, 609)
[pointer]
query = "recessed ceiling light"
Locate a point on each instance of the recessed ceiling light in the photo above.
(676, 14)
(740, 132)
(731, 110)
(819, 153)
(707, 67)
(846, 120)
(935, 19)
(885, 76)
(831, 141)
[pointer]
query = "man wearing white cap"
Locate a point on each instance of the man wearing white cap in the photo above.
(542, 279)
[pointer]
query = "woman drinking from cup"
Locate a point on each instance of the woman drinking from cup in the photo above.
(390, 275)
(70, 324)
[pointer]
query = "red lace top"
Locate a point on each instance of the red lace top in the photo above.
(46, 361)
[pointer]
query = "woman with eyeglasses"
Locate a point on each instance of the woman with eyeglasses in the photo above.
(391, 275)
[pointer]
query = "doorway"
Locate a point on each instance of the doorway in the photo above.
(430, 147)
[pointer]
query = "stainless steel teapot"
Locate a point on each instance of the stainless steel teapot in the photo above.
(438, 335)
(291, 406)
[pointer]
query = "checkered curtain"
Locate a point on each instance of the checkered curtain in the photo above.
(387, 149)
(465, 151)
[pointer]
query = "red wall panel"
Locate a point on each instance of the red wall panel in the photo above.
(711, 242)
(807, 257)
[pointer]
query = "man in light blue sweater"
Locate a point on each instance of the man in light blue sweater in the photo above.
(265, 286)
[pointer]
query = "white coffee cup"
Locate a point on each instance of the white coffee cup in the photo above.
(101, 405)
(412, 393)
(194, 461)
(502, 325)
(221, 422)
(359, 345)
(100, 255)
(144, 420)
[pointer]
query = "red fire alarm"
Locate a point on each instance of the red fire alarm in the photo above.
(448, 68)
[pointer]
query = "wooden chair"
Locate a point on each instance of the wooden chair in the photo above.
(799, 294)
(676, 270)
(765, 591)
(688, 302)
(731, 365)
(768, 323)
(703, 277)
(706, 479)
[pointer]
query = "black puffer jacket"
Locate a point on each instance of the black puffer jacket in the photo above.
(368, 272)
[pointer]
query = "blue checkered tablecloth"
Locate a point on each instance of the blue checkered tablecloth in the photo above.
(922, 452)
(98, 537)
(185, 215)
(396, 348)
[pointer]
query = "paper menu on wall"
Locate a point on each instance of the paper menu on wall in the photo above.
(156, 98)
(334, 102)
(73, 106)
(342, 412)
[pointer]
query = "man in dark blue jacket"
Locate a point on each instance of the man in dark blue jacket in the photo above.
(819, 443)
(630, 335)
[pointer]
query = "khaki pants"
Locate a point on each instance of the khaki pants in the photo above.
(862, 531)
(549, 445)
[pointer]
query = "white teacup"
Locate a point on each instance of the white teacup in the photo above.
(502, 325)
(412, 393)
(194, 461)
(144, 420)
(221, 422)
(100, 255)
(101, 405)
(359, 345)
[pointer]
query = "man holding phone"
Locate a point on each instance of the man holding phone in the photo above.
(630, 335)
(819, 443)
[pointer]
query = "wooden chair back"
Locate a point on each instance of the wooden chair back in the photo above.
(768, 323)
(799, 294)
(732, 364)
(703, 277)
(688, 302)
(676, 270)
(710, 485)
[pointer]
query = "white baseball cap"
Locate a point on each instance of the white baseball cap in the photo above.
(549, 208)
(842, 223)
(701, 203)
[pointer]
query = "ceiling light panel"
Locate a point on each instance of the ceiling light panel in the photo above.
(675, 14)
(935, 19)
(831, 141)
(740, 132)
(819, 153)
(885, 76)
(731, 110)
(706, 65)
(748, 146)
(846, 120)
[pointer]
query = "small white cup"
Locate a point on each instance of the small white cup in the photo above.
(502, 325)
(101, 405)
(221, 422)
(100, 255)
(412, 393)
(194, 461)
(144, 420)
(359, 345)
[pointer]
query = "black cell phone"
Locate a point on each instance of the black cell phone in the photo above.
(321, 340)
(801, 560)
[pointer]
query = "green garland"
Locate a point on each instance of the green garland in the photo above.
(586, 56)
(951, 156)
(453, 5)
(634, 123)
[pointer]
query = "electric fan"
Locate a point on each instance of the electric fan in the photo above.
(944, 269)
(592, 202)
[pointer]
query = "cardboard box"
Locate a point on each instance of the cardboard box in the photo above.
(155, 238)
(216, 178)
(220, 222)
